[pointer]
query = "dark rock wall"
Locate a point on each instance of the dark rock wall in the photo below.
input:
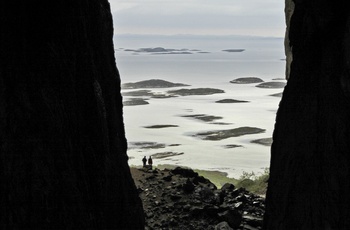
(309, 185)
(288, 10)
(63, 162)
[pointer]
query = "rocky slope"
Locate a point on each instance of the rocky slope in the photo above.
(181, 199)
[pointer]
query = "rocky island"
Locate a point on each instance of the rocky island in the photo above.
(160, 126)
(203, 117)
(165, 155)
(277, 94)
(231, 101)
(153, 83)
(135, 101)
(196, 91)
(233, 50)
(224, 134)
(161, 50)
(272, 85)
(263, 141)
(246, 80)
(149, 145)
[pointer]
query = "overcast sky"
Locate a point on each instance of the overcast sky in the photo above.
(215, 17)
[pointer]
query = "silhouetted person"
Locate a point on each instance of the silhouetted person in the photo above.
(144, 161)
(150, 162)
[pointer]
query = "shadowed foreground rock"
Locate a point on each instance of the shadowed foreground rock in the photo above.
(63, 162)
(309, 185)
(181, 199)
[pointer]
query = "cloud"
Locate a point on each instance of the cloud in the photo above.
(199, 16)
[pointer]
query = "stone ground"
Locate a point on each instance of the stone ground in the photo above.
(181, 199)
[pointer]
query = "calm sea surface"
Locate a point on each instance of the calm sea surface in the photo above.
(262, 57)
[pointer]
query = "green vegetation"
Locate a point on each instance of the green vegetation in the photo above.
(254, 183)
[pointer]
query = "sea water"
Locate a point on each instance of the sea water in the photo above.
(262, 57)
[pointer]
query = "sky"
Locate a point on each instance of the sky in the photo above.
(199, 17)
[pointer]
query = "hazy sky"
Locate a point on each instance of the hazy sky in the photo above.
(216, 17)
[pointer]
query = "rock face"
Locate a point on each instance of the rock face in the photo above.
(63, 162)
(309, 183)
(180, 199)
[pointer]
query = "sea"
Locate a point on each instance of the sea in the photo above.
(201, 62)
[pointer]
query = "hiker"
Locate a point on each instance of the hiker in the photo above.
(144, 160)
(150, 162)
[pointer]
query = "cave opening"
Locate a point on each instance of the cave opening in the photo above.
(63, 152)
(230, 80)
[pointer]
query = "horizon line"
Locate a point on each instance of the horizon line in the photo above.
(201, 35)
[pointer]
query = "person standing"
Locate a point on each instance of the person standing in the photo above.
(144, 161)
(150, 161)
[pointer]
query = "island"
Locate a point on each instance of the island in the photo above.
(135, 101)
(196, 91)
(153, 83)
(246, 80)
(203, 117)
(160, 126)
(149, 145)
(272, 85)
(233, 50)
(224, 134)
(230, 101)
(160, 50)
(277, 94)
(145, 145)
(232, 146)
(139, 93)
(263, 141)
(165, 155)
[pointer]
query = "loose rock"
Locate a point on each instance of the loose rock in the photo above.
(185, 200)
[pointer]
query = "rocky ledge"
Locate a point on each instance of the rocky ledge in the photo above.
(181, 199)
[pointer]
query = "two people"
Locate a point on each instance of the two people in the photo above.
(144, 161)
